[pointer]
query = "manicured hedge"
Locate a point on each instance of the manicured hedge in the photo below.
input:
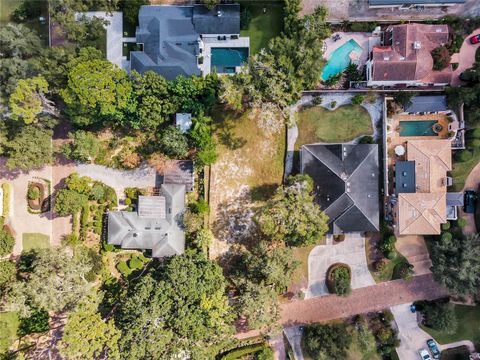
(339, 277)
(246, 350)
(6, 199)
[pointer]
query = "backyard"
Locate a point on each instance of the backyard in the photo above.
(32, 241)
(261, 25)
(317, 124)
(468, 318)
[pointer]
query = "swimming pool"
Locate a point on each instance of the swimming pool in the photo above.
(340, 59)
(224, 60)
(417, 128)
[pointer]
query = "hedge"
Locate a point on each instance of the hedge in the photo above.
(6, 199)
(84, 221)
(241, 352)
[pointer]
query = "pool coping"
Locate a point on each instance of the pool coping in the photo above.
(209, 43)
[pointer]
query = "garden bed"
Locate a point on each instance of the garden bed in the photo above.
(38, 196)
(338, 279)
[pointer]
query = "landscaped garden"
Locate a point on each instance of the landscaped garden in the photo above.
(261, 21)
(317, 124)
(32, 241)
(338, 278)
(38, 196)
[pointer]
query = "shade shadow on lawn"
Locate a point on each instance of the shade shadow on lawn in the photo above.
(32, 241)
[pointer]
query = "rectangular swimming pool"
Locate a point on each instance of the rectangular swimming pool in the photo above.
(417, 128)
(224, 60)
(340, 59)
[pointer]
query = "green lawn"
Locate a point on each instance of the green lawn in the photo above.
(35, 241)
(458, 353)
(468, 326)
(317, 124)
(9, 326)
(387, 273)
(262, 26)
(6, 9)
(461, 170)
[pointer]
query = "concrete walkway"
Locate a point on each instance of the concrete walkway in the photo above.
(351, 251)
(414, 249)
(142, 177)
(456, 344)
(294, 336)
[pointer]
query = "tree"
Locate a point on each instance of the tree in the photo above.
(97, 90)
(173, 142)
(131, 9)
(179, 306)
(11, 71)
(456, 263)
(352, 73)
(26, 102)
(403, 98)
(327, 341)
(441, 317)
(7, 272)
(18, 41)
(79, 184)
(259, 304)
(7, 242)
(55, 282)
(30, 149)
(154, 102)
(271, 266)
(84, 147)
(230, 92)
(292, 215)
(203, 239)
(69, 202)
(211, 3)
(201, 136)
(441, 58)
(37, 322)
(340, 278)
(88, 336)
(357, 99)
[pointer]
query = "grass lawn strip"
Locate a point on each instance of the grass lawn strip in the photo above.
(317, 124)
(32, 241)
(461, 170)
(262, 26)
(468, 318)
(9, 324)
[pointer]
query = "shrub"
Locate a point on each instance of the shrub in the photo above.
(403, 271)
(317, 100)
(474, 134)
(388, 244)
(124, 269)
(447, 236)
(128, 201)
(108, 247)
(329, 341)
(440, 316)
(98, 192)
(475, 143)
(6, 199)
(367, 140)
(392, 255)
(441, 58)
(363, 26)
(84, 221)
(380, 265)
(7, 242)
(7, 272)
(357, 99)
(333, 104)
(461, 222)
(446, 226)
(201, 207)
(464, 155)
(37, 322)
(33, 192)
(135, 263)
(338, 279)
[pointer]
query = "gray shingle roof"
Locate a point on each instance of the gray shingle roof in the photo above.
(160, 231)
(346, 182)
(432, 103)
(223, 19)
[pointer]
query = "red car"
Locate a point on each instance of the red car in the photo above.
(475, 39)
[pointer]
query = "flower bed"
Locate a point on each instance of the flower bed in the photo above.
(38, 196)
(339, 277)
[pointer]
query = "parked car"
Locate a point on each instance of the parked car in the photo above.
(424, 354)
(432, 345)
(475, 39)
(470, 199)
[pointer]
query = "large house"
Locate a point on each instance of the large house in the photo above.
(421, 187)
(409, 4)
(156, 225)
(405, 57)
(189, 40)
(346, 183)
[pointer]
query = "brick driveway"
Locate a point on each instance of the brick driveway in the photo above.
(367, 299)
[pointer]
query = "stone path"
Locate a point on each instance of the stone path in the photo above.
(351, 251)
(414, 249)
(465, 58)
(367, 299)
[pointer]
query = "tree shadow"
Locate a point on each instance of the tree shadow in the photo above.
(228, 138)
(263, 192)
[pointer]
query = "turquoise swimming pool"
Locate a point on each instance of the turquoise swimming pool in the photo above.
(417, 128)
(224, 60)
(340, 59)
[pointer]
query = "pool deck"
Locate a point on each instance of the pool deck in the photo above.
(209, 43)
(365, 40)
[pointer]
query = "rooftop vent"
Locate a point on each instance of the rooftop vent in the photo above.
(386, 58)
(417, 45)
(438, 30)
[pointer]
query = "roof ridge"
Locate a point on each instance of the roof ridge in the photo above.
(316, 157)
(365, 158)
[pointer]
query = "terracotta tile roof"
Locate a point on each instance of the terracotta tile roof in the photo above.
(423, 211)
(406, 55)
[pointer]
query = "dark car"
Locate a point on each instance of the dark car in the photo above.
(475, 39)
(432, 345)
(469, 201)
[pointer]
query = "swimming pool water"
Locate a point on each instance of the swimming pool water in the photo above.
(224, 60)
(340, 59)
(417, 128)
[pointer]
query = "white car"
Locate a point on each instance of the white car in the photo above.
(424, 354)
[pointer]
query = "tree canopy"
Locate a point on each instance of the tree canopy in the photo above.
(26, 101)
(292, 215)
(327, 341)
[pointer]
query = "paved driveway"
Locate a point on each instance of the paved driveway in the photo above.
(412, 338)
(465, 58)
(294, 336)
(351, 251)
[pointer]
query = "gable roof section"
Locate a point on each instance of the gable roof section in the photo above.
(346, 184)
